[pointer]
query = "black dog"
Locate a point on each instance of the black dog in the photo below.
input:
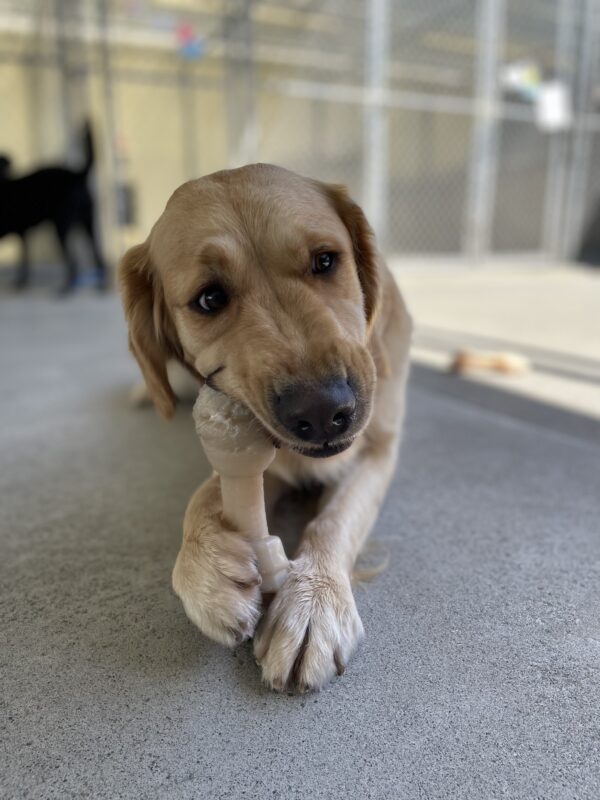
(57, 195)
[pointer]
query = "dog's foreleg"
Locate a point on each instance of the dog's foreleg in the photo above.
(348, 510)
(23, 270)
(312, 626)
(70, 280)
(215, 574)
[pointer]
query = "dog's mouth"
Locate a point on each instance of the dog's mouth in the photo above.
(326, 450)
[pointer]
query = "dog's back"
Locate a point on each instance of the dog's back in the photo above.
(51, 194)
(46, 195)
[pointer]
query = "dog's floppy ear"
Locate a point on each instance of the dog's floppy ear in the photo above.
(152, 338)
(366, 255)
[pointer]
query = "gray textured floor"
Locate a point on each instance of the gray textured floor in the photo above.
(479, 676)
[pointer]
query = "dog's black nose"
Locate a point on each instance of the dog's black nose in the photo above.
(316, 412)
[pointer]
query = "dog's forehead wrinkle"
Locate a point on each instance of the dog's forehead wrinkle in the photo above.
(269, 201)
(260, 214)
(215, 248)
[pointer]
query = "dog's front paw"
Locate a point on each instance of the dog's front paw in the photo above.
(218, 583)
(215, 574)
(310, 631)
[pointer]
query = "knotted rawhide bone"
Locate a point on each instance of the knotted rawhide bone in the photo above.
(240, 451)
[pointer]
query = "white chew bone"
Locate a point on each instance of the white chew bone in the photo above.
(240, 451)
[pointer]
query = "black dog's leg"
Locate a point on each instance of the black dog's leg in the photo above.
(88, 226)
(70, 263)
(23, 272)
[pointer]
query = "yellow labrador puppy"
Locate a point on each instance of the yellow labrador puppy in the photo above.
(269, 287)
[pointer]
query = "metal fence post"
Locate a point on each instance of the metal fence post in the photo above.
(375, 117)
(189, 128)
(491, 20)
(240, 85)
(575, 206)
(558, 152)
(111, 216)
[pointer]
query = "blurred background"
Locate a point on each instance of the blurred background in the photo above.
(469, 130)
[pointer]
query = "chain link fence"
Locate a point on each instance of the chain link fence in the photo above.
(416, 105)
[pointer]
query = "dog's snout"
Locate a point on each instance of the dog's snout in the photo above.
(316, 413)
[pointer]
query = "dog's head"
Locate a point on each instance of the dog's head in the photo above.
(265, 284)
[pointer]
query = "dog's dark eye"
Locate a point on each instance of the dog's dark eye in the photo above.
(211, 300)
(323, 262)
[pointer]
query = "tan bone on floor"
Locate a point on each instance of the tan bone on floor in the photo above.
(478, 360)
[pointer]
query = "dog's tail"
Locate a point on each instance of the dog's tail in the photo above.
(88, 148)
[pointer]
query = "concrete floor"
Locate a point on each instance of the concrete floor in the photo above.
(480, 673)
